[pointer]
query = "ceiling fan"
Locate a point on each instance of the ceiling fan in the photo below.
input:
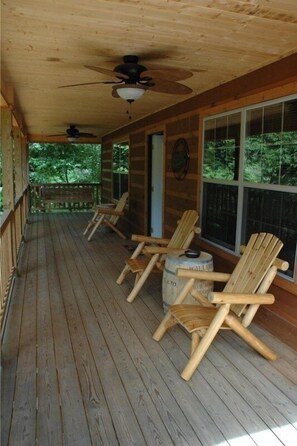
(72, 134)
(131, 79)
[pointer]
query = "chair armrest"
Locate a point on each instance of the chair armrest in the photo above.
(162, 250)
(237, 298)
(103, 207)
(148, 239)
(110, 211)
(203, 275)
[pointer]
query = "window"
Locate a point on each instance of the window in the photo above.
(250, 176)
(120, 169)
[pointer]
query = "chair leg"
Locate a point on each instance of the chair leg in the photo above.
(140, 282)
(88, 227)
(98, 222)
(137, 277)
(123, 274)
(250, 338)
(167, 322)
(195, 341)
(205, 342)
(126, 268)
(91, 223)
(115, 229)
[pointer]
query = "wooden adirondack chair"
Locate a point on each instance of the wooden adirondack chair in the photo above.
(155, 249)
(234, 307)
(107, 216)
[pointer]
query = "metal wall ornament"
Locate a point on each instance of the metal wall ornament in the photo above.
(180, 159)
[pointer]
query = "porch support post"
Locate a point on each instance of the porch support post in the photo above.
(18, 162)
(7, 158)
(25, 162)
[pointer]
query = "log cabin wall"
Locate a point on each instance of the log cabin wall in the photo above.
(185, 120)
(181, 194)
(137, 217)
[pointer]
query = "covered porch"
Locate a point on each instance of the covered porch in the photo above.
(80, 366)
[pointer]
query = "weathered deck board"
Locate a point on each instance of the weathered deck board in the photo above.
(49, 422)
(116, 330)
(80, 366)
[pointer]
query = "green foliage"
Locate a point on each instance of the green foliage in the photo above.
(219, 159)
(64, 163)
(269, 159)
(121, 158)
(272, 159)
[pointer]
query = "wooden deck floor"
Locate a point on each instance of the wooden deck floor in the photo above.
(80, 368)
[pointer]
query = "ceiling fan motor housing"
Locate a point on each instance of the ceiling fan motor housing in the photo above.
(131, 68)
(72, 132)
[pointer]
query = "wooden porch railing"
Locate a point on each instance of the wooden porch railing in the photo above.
(12, 226)
(64, 196)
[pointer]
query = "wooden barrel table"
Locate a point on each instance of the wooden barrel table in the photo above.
(172, 285)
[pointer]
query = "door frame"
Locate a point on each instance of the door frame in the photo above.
(149, 137)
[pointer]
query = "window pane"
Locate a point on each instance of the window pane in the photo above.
(273, 118)
(221, 147)
(290, 116)
(271, 144)
(120, 169)
(116, 186)
(123, 183)
(274, 212)
(219, 214)
(288, 175)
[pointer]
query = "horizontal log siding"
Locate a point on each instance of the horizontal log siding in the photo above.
(185, 120)
(138, 183)
(180, 194)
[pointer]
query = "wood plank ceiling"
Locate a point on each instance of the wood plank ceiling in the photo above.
(46, 44)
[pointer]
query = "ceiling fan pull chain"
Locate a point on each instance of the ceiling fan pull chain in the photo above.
(128, 112)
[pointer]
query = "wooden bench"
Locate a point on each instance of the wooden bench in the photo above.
(67, 194)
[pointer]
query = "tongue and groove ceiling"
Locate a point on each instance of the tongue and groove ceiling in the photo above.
(46, 44)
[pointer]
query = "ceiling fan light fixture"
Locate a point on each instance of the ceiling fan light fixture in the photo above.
(71, 138)
(130, 93)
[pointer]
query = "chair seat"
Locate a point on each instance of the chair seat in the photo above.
(194, 317)
(139, 265)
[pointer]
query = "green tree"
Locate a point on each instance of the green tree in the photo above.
(271, 158)
(64, 163)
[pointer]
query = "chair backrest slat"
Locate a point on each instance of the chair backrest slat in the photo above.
(185, 230)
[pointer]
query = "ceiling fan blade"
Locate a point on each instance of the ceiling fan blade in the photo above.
(174, 74)
(90, 83)
(57, 134)
(108, 72)
(163, 86)
(87, 135)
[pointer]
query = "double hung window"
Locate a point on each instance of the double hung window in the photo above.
(250, 176)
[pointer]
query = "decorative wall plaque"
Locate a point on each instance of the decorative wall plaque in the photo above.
(180, 159)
